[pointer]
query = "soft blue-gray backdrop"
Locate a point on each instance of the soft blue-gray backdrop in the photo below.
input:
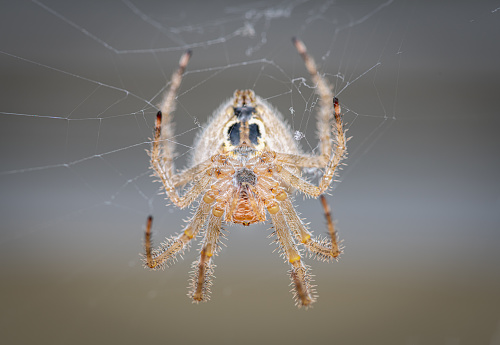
(418, 203)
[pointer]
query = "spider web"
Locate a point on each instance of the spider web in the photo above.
(81, 83)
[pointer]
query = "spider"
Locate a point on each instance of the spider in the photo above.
(246, 162)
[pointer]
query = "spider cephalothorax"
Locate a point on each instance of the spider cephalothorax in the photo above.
(245, 166)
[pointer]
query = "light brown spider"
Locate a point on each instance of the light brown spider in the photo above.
(246, 162)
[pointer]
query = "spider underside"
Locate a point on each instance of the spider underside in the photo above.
(246, 165)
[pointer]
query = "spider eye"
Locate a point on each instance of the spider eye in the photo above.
(234, 134)
(254, 133)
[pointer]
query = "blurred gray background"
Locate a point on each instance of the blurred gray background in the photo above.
(417, 205)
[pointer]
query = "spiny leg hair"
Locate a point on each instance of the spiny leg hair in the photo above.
(201, 276)
(167, 251)
(322, 248)
(304, 293)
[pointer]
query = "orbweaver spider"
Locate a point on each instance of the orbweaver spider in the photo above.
(246, 162)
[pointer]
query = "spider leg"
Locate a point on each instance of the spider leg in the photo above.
(167, 107)
(302, 161)
(162, 152)
(168, 103)
(201, 276)
(299, 272)
(298, 183)
(324, 91)
(322, 248)
(188, 175)
(331, 155)
(338, 153)
(326, 179)
(330, 169)
(167, 251)
(331, 227)
(164, 173)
